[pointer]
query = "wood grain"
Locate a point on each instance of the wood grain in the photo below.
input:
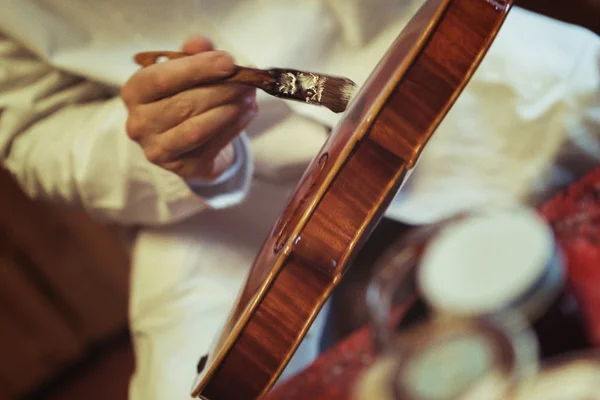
(64, 284)
(339, 201)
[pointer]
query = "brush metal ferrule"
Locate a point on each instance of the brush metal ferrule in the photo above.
(303, 86)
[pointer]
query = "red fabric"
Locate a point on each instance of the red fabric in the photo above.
(574, 215)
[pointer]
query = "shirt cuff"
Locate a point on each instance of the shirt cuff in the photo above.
(232, 185)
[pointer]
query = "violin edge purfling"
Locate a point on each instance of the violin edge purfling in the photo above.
(339, 201)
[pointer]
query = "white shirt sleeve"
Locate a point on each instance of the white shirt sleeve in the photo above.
(64, 140)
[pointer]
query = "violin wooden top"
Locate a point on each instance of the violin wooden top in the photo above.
(345, 191)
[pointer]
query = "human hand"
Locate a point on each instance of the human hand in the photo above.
(183, 121)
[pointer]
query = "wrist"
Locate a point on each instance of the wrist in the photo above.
(222, 168)
(222, 161)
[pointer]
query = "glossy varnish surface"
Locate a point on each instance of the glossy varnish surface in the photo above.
(345, 191)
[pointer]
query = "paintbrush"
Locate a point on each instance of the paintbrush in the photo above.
(323, 90)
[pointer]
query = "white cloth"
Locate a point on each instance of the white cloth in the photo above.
(534, 100)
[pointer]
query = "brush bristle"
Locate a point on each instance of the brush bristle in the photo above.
(328, 91)
(337, 93)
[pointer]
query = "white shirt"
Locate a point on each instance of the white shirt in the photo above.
(535, 89)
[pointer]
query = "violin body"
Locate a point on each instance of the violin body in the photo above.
(345, 192)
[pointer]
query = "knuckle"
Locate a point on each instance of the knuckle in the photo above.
(160, 83)
(174, 166)
(134, 127)
(128, 93)
(210, 65)
(192, 131)
(153, 155)
(212, 57)
(184, 107)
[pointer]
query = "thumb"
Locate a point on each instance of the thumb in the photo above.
(197, 44)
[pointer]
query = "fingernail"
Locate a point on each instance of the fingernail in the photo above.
(252, 105)
(197, 44)
(250, 98)
(249, 115)
(225, 62)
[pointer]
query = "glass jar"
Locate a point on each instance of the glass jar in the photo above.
(499, 260)
(452, 359)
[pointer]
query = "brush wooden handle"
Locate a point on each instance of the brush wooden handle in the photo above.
(148, 58)
(243, 75)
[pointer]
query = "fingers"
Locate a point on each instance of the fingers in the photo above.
(217, 143)
(213, 158)
(196, 131)
(181, 117)
(197, 44)
(166, 79)
(169, 112)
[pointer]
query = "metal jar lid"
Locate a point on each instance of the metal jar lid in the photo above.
(452, 359)
(492, 261)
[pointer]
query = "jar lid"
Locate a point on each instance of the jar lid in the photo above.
(487, 262)
(453, 359)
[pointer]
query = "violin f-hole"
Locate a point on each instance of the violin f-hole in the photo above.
(284, 225)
